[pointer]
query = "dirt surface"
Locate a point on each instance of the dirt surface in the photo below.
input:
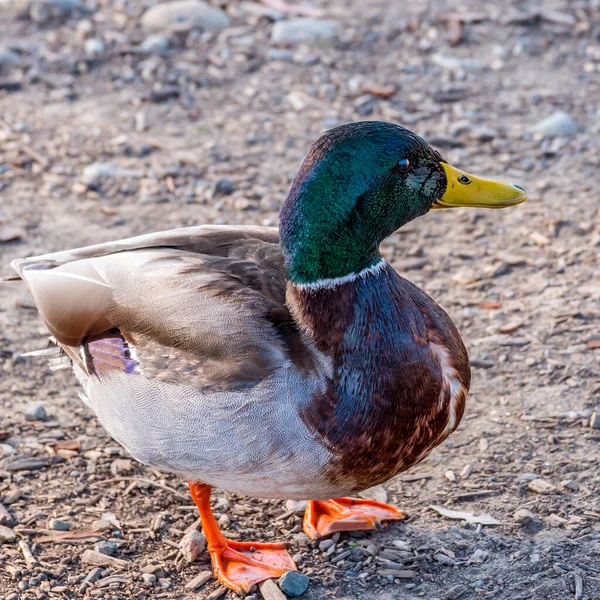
(101, 139)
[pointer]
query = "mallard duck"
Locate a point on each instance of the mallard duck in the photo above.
(288, 363)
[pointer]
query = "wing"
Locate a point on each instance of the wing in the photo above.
(201, 305)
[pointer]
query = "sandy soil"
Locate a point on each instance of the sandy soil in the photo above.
(522, 285)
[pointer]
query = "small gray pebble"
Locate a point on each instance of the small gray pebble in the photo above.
(108, 548)
(149, 578)
(325, 545)
(225, 187)
(59, 525)
(294, 583)
(35, 412)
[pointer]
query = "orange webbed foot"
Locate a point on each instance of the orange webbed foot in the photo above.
(325, 517)
(240, 565)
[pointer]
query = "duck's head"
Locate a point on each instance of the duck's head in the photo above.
(361, 182)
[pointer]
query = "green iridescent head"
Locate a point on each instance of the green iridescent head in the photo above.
(361, 182)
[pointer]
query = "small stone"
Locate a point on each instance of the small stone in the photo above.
(559, 123)
(443, 559)
(555, 520)
(450, 476)
(35, 412)
(106, 547)
(101, 524)
(325, 545)
(8, 56)
(155, 44)
(377, 492)
(224, 521)
(453, 63)
(294, 583)
(455, 592)
(120, 466)
(595, 420)
(184, 15)
(302, 539)
(155, 569)
(224, 187)
(192, 545)
(59, 525)
(298, 507)
(478, 557)
(7, 534)
(541, 486)
(296, 31)
(94, 47)
(94, 173)
(569, 484)
(149, 578)
(523, 516)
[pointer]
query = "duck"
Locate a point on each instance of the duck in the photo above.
(281, 363)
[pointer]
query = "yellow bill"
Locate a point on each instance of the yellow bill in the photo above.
(463, 189)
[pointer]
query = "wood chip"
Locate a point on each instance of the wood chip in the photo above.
(199, 581)
(459, 515)
(541, 486)
(416, 477)
(91, 577)
(381, 91)
(91, 557)
(218, 593)
(270, 591)
(81, 536)
(399, 573)
(27, 554)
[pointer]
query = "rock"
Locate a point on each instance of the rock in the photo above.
(8, 56)
(443, 559)
(541, 486)
(325, 545)
(92, 174)
(149, 578)
(224, 187)
(478, 557)
(94, 47)
(43, 11)
(184, 15)
(59, 525)
(7, 534)
(455, 592)
(453, 63)
(192, 544)
(35, 412)
(299, 507)
(120, 466)
(523, 516)
(559, 123)
(302, 539)
(106, 547)
(155, 44)
(294, 583)
(595, 421)
(296, 31)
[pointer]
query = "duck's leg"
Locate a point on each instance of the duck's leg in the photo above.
(238, 565)
(324, 517)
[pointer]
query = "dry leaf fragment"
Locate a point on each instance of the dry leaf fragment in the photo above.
(459, 515)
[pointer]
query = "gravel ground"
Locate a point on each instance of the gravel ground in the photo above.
(112, 125)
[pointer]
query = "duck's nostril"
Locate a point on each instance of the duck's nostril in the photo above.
(519, 187)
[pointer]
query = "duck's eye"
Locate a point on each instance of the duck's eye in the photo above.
(403, 165)
(464, 180)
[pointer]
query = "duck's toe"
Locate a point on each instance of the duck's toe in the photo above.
(325, 517)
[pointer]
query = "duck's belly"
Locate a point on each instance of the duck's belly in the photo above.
(251, 443)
